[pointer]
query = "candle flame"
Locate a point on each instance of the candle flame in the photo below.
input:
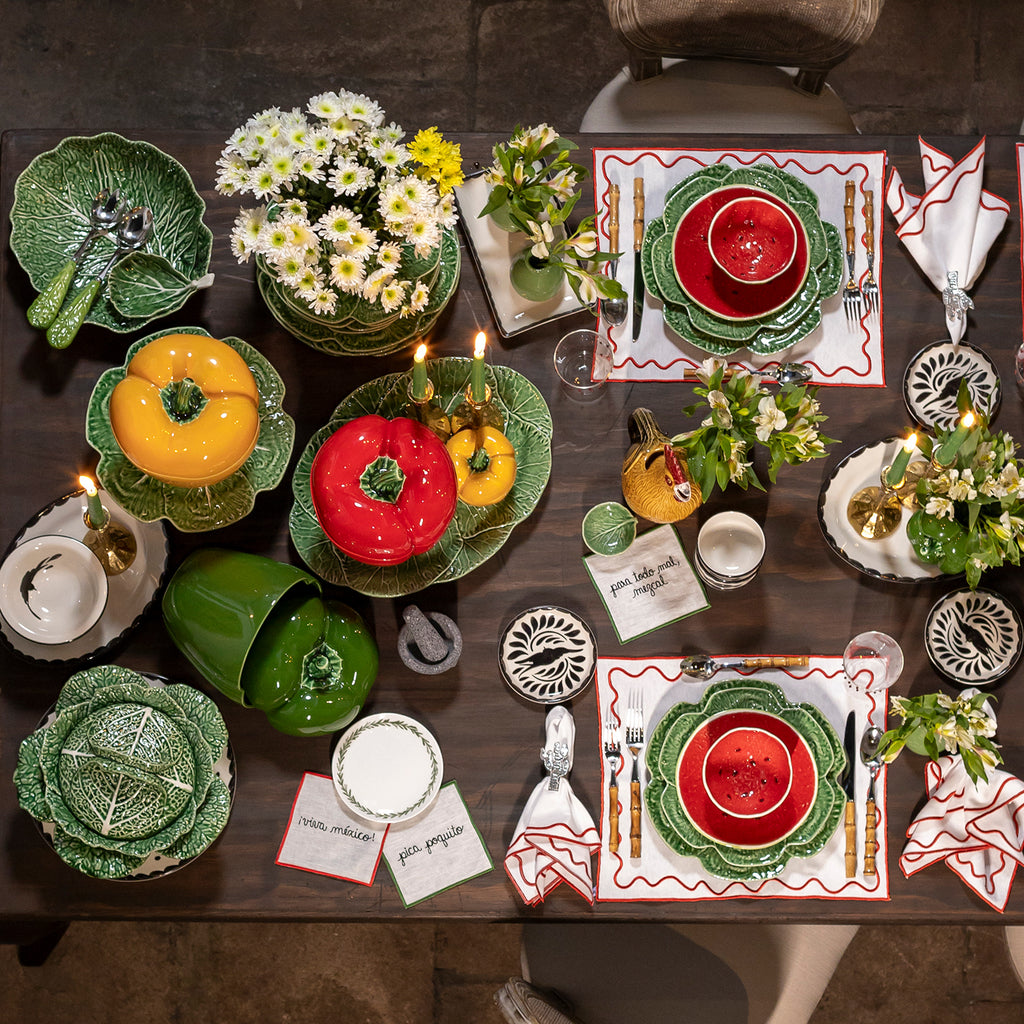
(910, 443)
(968, 420)
(87, 485)
(421, 353)
(479, 345)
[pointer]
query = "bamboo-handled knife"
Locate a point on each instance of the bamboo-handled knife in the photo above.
(638, 238)
(846, 781)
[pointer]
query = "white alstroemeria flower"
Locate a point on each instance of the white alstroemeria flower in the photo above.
(542, 235)
(587, 288)
(941, 508)
(769, 418)
(707, 368)
(585, 244)
(737, 467)
(961, 487)
(721, 414)
(992, 488)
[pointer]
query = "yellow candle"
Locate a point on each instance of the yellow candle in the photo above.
(899, 467)
(477, 380)
(94, 507)
(419, 374)
(947, 452)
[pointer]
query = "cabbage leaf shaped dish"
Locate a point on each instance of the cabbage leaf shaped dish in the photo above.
(794, 310)
(474, 534)
(194, 509)
(757, 847)
(53, 197)
(125, 770)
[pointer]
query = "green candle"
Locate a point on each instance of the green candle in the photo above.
(894, 477)
(419, 375)
(946, 453)
(477, 380)
(94, 509)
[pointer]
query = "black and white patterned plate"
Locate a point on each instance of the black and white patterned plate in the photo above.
(933, 377)
(547, 654)
(973, 637)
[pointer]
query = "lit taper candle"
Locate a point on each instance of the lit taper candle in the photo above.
(946, 453)
(419, 374)
(477, 381)
(894, 477)
(94, 507)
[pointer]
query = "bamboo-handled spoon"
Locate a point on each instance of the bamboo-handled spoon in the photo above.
(700, 666)
(613, 310)
(869, 744)
(133, 230)
(107, 210)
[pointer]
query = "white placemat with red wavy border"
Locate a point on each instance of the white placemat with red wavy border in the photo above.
(837, 353)
(1020, 197)
(662, 874)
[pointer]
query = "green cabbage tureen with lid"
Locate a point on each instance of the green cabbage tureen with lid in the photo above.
(124, 770)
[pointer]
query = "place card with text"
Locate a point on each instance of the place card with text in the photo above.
(324, 837)
(436, 851)
(648, 585)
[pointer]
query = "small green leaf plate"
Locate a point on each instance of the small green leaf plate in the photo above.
(194, 509)
(53, 197)
(475, 534)
(609, 528)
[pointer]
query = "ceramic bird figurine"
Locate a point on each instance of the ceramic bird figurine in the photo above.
(656, 481)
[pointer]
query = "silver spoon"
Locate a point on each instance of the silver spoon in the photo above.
(700, 666)
(133, 231)
(613, 311)
(107, 210)
(788, 373)
(869, 744)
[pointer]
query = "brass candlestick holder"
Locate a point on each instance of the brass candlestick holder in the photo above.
(876, 512)
(112, 543)
(429, 413)
(477, 414)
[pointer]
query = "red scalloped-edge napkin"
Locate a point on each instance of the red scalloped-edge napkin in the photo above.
(555, 838)
(977, 830)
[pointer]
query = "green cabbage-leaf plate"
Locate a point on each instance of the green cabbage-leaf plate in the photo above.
(128, 777)
(765, 335)
(474, 534)
(665, 806)
(359, 328)
(194, 509)
(53, 197)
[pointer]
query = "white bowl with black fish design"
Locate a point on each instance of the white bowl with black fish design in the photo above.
(974, 637)
(52, 589)
(547, 654)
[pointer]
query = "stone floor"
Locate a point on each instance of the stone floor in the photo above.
(932, 66)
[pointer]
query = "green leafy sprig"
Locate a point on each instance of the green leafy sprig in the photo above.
(741, 414)
(934, 725)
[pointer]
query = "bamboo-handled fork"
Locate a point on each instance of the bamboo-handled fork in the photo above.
(635, 742)
(851, 293)
(613, 754)
(870, 289)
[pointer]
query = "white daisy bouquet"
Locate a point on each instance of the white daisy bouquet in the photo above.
(742, 414)
(348, 208)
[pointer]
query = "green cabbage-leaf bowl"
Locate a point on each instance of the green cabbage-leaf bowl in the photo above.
(125, 770)
(665, 806)
(475, 534)
(194, 509)
(53, 197)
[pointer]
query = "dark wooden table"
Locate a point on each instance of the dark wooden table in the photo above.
(805, 600)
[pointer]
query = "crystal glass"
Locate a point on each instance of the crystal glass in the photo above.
(872, 661)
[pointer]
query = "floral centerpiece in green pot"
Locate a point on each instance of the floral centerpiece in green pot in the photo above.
(971, 515)
(533, 189)
(353, 236)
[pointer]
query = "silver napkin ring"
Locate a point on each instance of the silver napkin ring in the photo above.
(954, 298)
(556, 761)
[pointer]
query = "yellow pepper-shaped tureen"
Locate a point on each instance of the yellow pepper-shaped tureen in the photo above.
(187, 411)
(485, 465)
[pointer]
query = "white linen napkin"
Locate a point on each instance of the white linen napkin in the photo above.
(950, 229)
(977, 830)
(555, 837)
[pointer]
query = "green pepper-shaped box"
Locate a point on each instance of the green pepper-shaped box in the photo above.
(262, 633)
